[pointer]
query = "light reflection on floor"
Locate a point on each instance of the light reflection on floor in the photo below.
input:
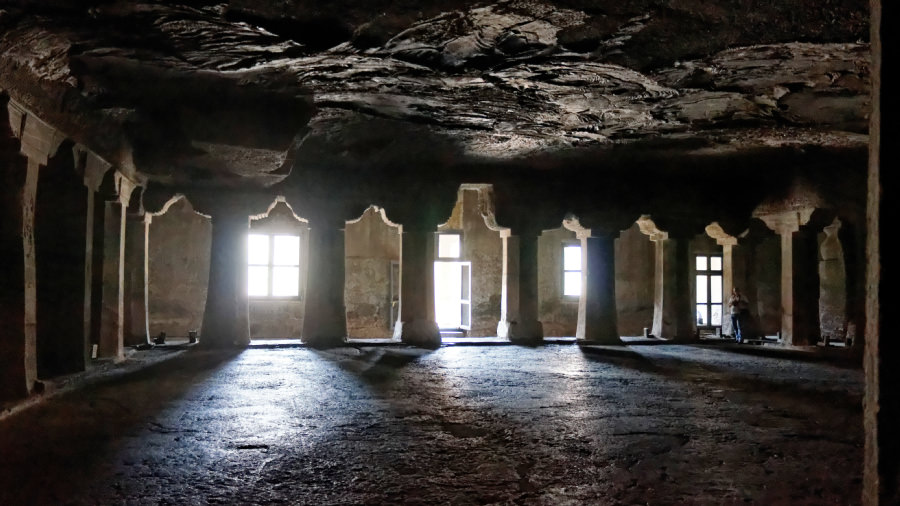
(462, 425)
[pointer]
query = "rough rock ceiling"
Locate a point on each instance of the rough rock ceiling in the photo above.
(237, 92)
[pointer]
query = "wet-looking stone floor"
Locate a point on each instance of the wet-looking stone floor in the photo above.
(460, 425)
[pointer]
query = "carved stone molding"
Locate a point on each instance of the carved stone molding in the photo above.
(787, 222)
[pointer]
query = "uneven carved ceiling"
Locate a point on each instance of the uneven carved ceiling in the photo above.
(245, 92)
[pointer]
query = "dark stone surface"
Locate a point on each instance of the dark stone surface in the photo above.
(207, 94)
(461, 425)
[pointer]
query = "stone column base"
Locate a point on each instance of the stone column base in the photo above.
(421, 333)
(526, 332)
(503, 328)
(324, 341)
(609, 340)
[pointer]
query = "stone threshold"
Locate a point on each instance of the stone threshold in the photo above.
(447, 341)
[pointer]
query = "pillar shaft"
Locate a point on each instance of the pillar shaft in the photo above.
(799, 288)
(325, 317)
(18, 361)
(28, 202)
(417, 324)
(672, 312)
(226, 318)
(597, 304)
(90, 291)
(112, 316)
(60, 246)
(881, 415)
(136, 266)
(727, 285)
(509, 295)
(525, 326)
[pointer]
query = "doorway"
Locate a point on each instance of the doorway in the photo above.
(452, 286)
(453, 295)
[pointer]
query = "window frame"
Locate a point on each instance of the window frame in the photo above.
(270, 267)
(709, 272)
(562, 287)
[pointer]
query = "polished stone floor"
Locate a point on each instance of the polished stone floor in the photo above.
(551, 425)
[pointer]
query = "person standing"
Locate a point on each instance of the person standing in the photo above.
(739, 308)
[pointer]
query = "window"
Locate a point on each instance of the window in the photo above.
(709, 290)
(571, 270)
(273, 265)
(449, 245)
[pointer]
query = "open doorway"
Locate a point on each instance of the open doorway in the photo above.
(452, 287)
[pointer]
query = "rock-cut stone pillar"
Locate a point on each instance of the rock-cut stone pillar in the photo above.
(524, 326)
(226, 319)
(417, 325)
(112, 311)
(325, 317)
(799, 276)
(672, 312)
(137, 330)
(597, 320)
(728, 243)
(18, 359)
(509, 291)
(18, 295)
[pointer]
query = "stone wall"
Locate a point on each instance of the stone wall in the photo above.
(179, 246)
(635, 255)
(635, 266)
(558, 314)
(482, 246)
(371, 246)
(768, 285)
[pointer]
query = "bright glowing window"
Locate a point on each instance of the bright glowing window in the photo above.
(708, 287)
(273, 265)
(571, 270)
(449, 245)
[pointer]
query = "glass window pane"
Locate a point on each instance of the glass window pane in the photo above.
(572, 258)
(701, 315)
(715, 288)
(258, 249)
(258, 281)
(715, 263)
(702, 295)
(572, 284)
(701, 263)
(287, 250)
(285, 281)
(716, 316)
(448, 245)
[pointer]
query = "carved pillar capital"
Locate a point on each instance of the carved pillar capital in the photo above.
(715, 231)
(787, 222)
(38, 140)
(648, 227)
(92, 166)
